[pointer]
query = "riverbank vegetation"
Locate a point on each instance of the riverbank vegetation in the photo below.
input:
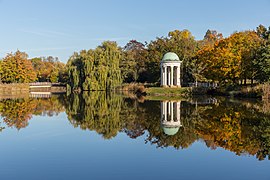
(242, 59)
(235, 63)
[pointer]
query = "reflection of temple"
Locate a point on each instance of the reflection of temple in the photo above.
(170, 117)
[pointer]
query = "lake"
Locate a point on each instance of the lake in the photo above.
(109, 136)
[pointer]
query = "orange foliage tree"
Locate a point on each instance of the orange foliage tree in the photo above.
(15, 68)
(230, 59)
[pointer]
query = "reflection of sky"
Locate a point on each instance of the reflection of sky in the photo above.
(50, 148)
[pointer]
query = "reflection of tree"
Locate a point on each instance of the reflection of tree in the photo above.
(17, 112)
(1, 128)
(99, 111)
(234, 127)
(49, 107)
(134, 118)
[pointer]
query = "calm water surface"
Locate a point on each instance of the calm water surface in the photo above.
(99, 136)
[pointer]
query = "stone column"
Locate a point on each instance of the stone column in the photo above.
(165, 111)
(178, 112)
(171, 111)
(165, 76)
(178, 82)
(162, 111)
(175, 76)
(171, 84)
(161, 76)
(169, 75)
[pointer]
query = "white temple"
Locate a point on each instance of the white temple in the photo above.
(170, 70)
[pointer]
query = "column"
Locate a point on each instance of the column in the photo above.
(162, 111)
(178, 82)
(175, 75)
(165, 110)
(161, 75)
(165, 76)
(169, 76)
(171, 111)
(171, 84)
(178, 112)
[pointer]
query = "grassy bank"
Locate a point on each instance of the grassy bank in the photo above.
(259, 91)
(168, 92)
(240, 91)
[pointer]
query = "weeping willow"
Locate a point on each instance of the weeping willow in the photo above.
(95, 70)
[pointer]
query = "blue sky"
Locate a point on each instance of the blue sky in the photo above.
(58, 27)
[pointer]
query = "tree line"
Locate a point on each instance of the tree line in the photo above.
(18, 68)
(240, 58)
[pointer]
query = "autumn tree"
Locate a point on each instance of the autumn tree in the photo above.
(210, 38)
(231, 59)
(244, 47)
(49, 69)
(16, 68)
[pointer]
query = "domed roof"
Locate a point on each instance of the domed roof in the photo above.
(170, 131)
(170, 56)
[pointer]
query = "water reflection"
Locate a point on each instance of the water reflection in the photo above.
(16, 112)
(170, 116)
(242, 127)
(96, 111)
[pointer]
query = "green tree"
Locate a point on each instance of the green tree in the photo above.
(133, 62)
(96, 69)
(75, 72)
(261, 64)
(263, 32)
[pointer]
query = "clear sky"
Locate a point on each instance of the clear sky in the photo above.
(60, 27)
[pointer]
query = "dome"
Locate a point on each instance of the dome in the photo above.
(170, 56)
(170, 130)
